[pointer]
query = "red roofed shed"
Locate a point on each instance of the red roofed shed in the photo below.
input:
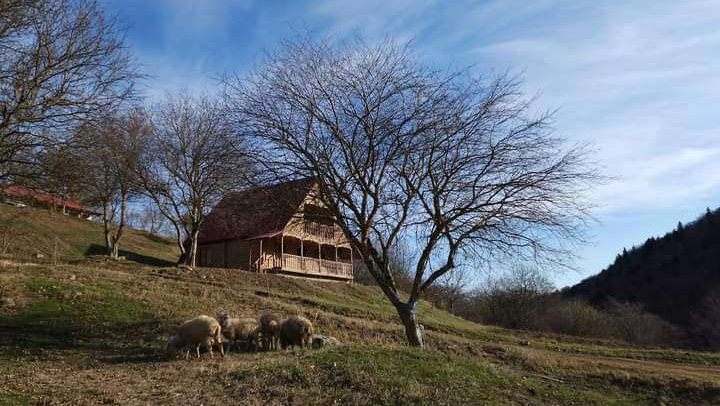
(20, 194)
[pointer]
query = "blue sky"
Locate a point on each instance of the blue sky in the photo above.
(639, 79)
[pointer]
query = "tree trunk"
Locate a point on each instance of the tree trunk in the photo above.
(406, 311)
(118, 233)
(106, 230)
(192, 249)
(180, 244)
(115, 250)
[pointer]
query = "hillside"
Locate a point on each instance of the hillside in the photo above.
(82, 334)
(37, 235)
(94, 332)
(670, 276)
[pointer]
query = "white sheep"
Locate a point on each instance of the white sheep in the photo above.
(201, 330)
(296, 330)
(245, 330)
(269, 329)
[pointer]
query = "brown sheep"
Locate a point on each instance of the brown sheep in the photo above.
(269, 329)
(237, 330)
(201, 330)
(296, 330)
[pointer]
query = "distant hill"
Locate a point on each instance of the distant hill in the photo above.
(670, 276)
(36, 235)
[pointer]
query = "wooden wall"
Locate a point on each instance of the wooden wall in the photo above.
(226, 254)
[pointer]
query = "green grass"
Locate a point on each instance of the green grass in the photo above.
(83, 305)
(64, 315)
(38, 231)
(388, 376)
(115, 320)
(639, 353)
(94, 331)
(13, 399)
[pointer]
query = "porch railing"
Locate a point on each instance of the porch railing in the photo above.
(316, 266)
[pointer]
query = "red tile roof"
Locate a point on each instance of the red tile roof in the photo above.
(25, 193)
(255, 213)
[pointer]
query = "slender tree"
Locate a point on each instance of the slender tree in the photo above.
(454, 163)
(61, 61)
(108, 153)
(192, 162)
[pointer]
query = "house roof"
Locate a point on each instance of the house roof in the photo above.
(42, 197)
(255, 213)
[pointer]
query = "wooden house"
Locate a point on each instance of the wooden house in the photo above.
(281, 228)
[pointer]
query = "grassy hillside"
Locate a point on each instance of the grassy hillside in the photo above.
(93, 332)
(80, 334)
(26, 232)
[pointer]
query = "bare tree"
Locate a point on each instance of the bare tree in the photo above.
(192, 163)
(455, 163)
(452, 287)
(108, 155)
(151, 219)
(60, 62)
(515, 298)
(56, 172)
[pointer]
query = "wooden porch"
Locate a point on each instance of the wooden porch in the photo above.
(315, 253)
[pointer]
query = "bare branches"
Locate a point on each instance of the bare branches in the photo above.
(456, 164)
(60, 62)
(192, 162)
(107, 153)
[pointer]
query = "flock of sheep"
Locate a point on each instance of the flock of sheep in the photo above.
(270, 331)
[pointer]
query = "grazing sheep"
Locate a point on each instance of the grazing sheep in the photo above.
(201, 330)
(296, 330)
(269, 329)
(237, 330)
(321, 341)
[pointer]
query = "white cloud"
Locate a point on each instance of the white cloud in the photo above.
(641, 85)
(639, 79)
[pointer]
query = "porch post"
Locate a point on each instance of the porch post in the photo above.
(351, 260)
(319, 258)
(250, 244)
(260, 257)
(282, 251)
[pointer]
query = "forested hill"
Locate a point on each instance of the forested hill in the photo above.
(669, 276)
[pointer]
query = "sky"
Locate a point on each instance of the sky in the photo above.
(639, 80)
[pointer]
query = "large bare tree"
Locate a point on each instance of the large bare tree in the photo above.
(456, 164)
(192, 162)
(60, 62)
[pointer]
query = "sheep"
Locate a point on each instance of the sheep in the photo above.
(201, 330)
(269, 328)
(296, 330)
(236, 330)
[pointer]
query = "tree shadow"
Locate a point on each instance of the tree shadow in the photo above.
(97, 249)
(37, 334)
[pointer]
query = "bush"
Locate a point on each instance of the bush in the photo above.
(523, 299)
(572, 317)
(705, 325)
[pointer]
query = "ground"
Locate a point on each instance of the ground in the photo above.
(94, 332)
